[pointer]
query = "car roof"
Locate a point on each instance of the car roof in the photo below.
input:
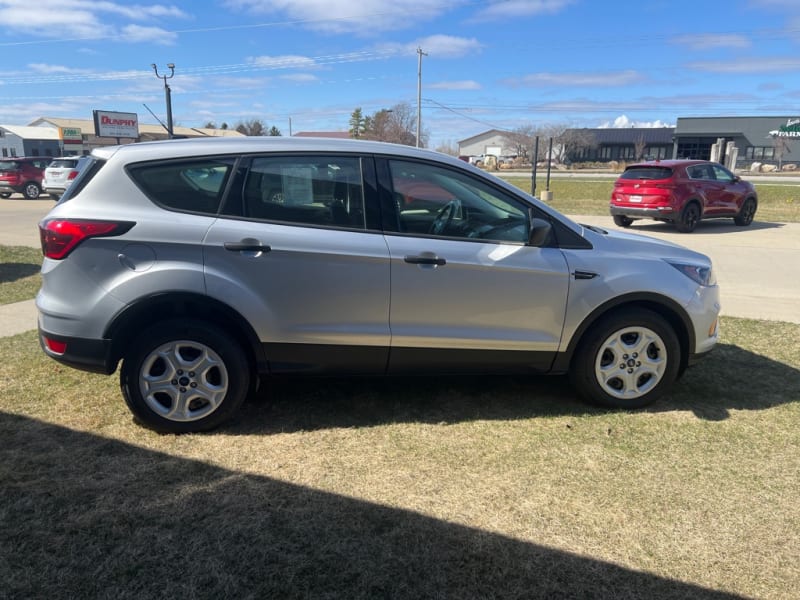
(671, 163)
(164, 149)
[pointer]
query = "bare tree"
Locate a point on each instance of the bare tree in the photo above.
(397, 125)
(448, 147)
(571, 141)
(251, 127)
(522, 139)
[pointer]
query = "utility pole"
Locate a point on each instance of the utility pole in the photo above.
(167, 94)
(420, 54)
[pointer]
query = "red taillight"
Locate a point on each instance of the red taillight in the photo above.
(72, 175)
(61, 236)
(55, 346)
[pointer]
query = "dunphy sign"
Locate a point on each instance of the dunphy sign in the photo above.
(116, 124)
(791, 129)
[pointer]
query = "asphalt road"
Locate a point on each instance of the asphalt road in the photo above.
(758, 267)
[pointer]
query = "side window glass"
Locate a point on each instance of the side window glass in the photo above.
(722, 174)
(317, 190)
(435, 201)
(193, 186)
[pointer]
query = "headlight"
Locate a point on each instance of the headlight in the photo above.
(701, 274)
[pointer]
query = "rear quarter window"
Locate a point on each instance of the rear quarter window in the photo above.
(89, 167)
(195, 185)
(647, 173)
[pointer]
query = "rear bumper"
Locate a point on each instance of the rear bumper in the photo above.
(661, 212)
(93, 356)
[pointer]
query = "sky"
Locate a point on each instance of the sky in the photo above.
(305, 65)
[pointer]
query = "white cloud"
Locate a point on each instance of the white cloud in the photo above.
(623, 122)
(455, 85)
(709, 41)
(301, 78)
(753, 65)
(84, 19)
(610, 79)
(287, 61)
(512, 9)
(155, 35)
(437, 46)
(366, 16)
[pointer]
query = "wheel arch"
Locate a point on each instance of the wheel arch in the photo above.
(160, 307)
(665, 307)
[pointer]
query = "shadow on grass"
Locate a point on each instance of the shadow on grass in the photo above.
(14, 271)
(730, 378)
(88, 517)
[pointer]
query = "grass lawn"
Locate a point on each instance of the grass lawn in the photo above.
(19, 273)
(415, 488)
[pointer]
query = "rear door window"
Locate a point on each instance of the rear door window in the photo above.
(306, 190)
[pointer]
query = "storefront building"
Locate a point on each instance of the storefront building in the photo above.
(770, 140)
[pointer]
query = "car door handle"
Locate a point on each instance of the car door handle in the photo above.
(246, 246)
(425, 259)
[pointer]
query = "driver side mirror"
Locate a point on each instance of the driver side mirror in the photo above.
(539, 232)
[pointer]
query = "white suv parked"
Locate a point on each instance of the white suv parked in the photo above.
(60, 173)
(204, 264)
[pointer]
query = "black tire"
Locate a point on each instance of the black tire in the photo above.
(184, 376)
(746, 214)
(622, 221)
(54, 195)
(689, 218)
(628, 359)
(32, 190)
(5, 195)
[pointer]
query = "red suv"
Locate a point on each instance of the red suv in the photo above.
(682, 192)
(23, 175)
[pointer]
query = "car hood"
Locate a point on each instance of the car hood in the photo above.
(634, 244)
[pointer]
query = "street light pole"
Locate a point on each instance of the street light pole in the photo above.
(167, 94)
(419, 93)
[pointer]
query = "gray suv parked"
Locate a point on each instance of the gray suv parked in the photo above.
(204, 264)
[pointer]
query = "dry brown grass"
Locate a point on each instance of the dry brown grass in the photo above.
(410, 488)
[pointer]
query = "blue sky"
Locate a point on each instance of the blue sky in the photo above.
(489, 64)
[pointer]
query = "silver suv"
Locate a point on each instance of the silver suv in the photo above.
(203, 265)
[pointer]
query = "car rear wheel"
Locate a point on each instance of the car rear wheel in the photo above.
(627, 360)
(31, 191)
(184, 376)
(688, 218)
(622, 221)
(746, 214)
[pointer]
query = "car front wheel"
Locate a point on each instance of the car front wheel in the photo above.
(5, 195)
(184, 376)
(746, 214)
(627, 360)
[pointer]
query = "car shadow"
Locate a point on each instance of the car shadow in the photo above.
(14, 271)
(89, 517)
(711, 226)
(723, 381)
